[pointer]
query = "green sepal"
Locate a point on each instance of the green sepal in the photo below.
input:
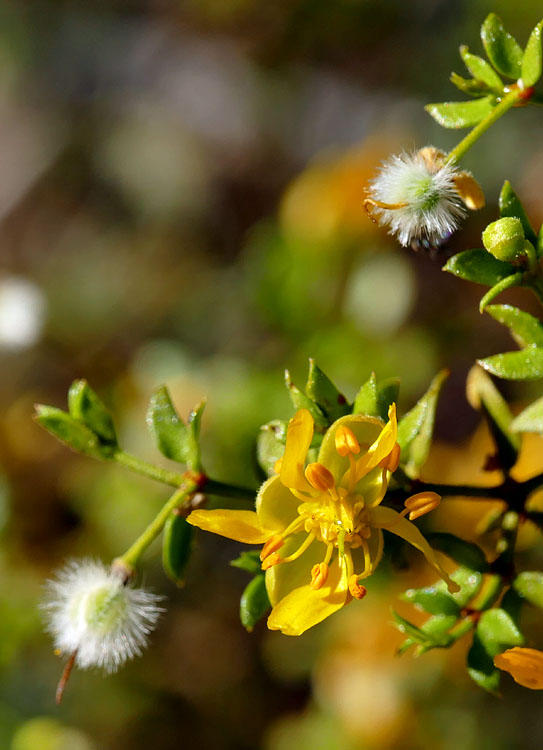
(324, 393)
(496, 631)
(484, 396)
(469, 86)
(461, 114)
(531, 60)
(524, 365)
(254, 602)
(510, 205)
(529, 585)
(270, 445)
(416, 428)
(300, 400)
(374, 399)
(176, 547)
(531, 419)
(175, 439)
(525, 328)
(249, 560)
(85, 406)
(480, 70)
(431, 600)
(502, 49)
(479, 266)
(71, 432)
(466, 554)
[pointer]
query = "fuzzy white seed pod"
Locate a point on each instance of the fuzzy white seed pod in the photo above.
(90, 612)
(417, 195)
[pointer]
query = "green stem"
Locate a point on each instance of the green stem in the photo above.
(473, 136)
(515, 279)
(180, 498)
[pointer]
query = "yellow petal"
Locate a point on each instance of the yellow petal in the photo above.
(381, 447)
(241, 525)
(386, 518)
(305, 607)
(299, 436)
(469, 190)
(525, 665)
(276, 506)
(283, 578)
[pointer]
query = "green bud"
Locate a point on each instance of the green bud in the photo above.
(504, 238)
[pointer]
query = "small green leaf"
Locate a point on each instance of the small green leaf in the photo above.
(510, 205)
(470, 87)
(529, 585)
(531, 60)
(437, 629)
(301, 401)
(404, 626)
(70, 431)
(270, 445)
(481, 70)
(192, 443)
(524, 365)
(176, 547)
(167, 426)
(531, 419)
(496, 631)
(502, 49)
(467, 554)
(366, 399)
(461, 114)
(479, 266)
(432, 600)
(254, 602)
(324, 393)
(249, 560)
(85, 406)
(525, 329)
(414, 433)
(484, 396)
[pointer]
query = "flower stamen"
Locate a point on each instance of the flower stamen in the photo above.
(356, 589)
(320, 477)
(319, 574)
(420, 504)
(272, 545)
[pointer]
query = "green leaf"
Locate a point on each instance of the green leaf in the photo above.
(531, 60)
(166, 426)
(437, 629)
(510, 205)
(531, 419)
(479, 266)
(416, 428)
(301, 401)
(270, 445)
(324, 393)
(432, 600)
(529, 585)
(466, 554)
(525, 329)
(484, 396)
(85, 406)
(496, 631)
(176, 547)
(502, 49)
(470, 87)
(254, 602)
(404, 626)
(461, 114)
(249, 560)
(524, 365)
(71, 432)
(192, 443)
(481, 70)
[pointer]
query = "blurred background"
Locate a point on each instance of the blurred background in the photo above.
(181, 203)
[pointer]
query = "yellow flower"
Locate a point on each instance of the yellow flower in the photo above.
(525, 665)
(321, 524)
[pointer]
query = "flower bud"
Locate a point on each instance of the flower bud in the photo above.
(504, 238)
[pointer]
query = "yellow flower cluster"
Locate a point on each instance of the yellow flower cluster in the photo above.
(321, 523)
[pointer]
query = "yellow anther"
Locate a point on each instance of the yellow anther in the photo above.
(319, 574)
(270, 561)
(356, 590)
(392, 461)
(346, 441)
(420, 504)
(320, 477)
(277, 465)
(272, 545)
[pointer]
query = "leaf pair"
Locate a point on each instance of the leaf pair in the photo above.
(505, 57)
(175, 439)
